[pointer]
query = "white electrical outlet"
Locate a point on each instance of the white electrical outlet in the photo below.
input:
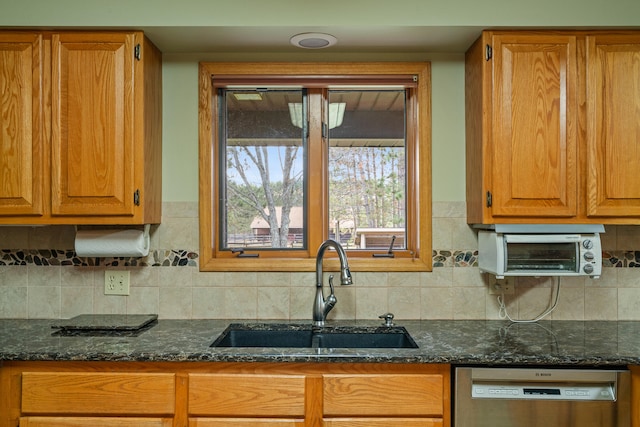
(504, 286)
(116, 282)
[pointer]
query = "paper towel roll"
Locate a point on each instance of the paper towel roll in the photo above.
(112, 243)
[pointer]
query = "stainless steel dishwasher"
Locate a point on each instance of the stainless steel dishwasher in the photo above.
(528, 397)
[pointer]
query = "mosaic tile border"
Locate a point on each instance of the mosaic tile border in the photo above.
(624, 259)
(444, 258)
(186, 258)
(53, 257)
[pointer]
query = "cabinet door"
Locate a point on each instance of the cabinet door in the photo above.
(93, 126)
(383, 395)
(21, 129)
(91, 393)
(93, 422)
(248, 395)
(245, 422)
(383, 422)
(534, 144)
(613, 120)
(635, 396)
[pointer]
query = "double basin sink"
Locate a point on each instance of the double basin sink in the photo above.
(275, 335)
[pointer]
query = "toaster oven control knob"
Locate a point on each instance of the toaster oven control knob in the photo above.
(588, 256)
(588, 268)
(588, 244)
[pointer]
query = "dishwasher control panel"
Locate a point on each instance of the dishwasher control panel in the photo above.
(543, 391)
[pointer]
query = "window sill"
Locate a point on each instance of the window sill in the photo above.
(416, 264)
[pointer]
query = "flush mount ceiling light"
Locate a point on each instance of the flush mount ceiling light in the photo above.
(336, 113)
(248, 96)
(313, 40)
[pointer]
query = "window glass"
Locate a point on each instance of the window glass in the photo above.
(293, 154)
(263, 164)
(367, 168)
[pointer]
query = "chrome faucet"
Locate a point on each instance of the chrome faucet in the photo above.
(322, 306)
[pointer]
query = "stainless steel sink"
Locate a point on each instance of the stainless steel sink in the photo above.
(275, 335)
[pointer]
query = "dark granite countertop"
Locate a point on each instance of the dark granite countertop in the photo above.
(562, 343)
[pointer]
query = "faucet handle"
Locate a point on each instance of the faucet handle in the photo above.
(331, 283)
(388, 319)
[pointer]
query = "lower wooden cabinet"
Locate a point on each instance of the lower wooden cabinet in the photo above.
(383, 394)
(244, 422)
(93, 422)
(112, 393)
(383, 422)
(635, 396)
(200, 394)
(250, 395)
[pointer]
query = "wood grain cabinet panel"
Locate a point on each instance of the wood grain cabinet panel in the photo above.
(383, 395)
(98, 393)
(383, 422)
(522, 127)
(613, 118)
(635, 395)
(244, 422)
(93, 422)
(93, 123)
(534, 126)
(106, 120)
(247, 395)
(21, 124)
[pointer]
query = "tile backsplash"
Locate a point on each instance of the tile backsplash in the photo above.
(40, 277)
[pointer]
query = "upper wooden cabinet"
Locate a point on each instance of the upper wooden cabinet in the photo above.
(549, 117)
(99, 117)
(21, 124)
(613, 125)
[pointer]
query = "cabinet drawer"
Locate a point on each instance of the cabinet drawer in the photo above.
(93, 422)
(244, 422)
(246, 395)
(398, 395)
(383, 422)
(98, 393)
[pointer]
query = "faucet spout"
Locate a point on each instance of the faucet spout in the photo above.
(322, 306)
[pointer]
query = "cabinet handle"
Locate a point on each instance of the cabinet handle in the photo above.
(136, 198)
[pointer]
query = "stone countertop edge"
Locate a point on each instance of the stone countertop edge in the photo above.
(459, 342)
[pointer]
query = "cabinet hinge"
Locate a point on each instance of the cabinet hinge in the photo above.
(136, 198)
(489, 199)
(137, 53)
(488, 52)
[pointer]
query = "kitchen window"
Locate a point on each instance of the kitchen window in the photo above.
(293, 154)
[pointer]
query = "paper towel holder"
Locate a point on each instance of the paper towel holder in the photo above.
(145, 236)
(147, 228)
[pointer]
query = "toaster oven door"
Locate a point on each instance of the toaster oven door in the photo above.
(541, 256)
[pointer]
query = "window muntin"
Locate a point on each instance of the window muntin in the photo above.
(412, 76)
